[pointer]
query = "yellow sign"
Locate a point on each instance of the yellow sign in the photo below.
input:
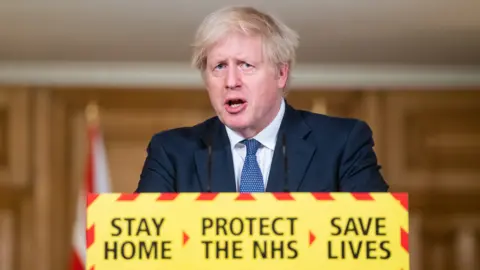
(232, 231)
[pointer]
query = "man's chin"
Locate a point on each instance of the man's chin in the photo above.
(236, 124)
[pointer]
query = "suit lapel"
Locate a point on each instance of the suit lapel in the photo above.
(221, 162)
(299, 153)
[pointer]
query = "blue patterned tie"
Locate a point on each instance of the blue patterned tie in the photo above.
(251, 179)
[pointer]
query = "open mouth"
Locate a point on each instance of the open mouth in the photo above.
(235, 102)
(235, 105)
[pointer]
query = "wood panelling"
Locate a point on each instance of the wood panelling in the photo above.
(447, 138)
(465, 245)
(3, 137)
(14, 130)
(26, 231)
(45, 191)
(433, 140)
(60, 134)
(133, 99)
(19, 130)
(15, 172)
(7, 239)
(11, 195)
(119, 124)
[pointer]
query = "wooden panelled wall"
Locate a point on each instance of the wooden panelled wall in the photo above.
(428, 143)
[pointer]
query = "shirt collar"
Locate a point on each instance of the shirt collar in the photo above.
(267, 137)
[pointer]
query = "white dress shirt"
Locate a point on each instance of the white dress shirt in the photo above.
(267, 138)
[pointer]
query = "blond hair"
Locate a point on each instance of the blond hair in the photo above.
(279, 41)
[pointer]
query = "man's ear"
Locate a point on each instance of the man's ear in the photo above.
(282, 75)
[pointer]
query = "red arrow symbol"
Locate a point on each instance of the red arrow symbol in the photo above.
(311, 238)
(185, 238)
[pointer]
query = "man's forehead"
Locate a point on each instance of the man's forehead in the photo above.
(235, 56)
(237, 48)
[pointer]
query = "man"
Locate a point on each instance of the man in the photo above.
(257, 142)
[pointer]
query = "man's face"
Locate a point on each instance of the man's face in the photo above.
(244, 88)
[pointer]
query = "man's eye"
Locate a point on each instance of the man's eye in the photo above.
(219, 66)
(246, 65)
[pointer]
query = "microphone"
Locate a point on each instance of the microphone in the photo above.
(209, 164)
(285, 163)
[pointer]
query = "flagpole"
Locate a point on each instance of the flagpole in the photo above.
(92, 113)
(100, 178)
(92, 125)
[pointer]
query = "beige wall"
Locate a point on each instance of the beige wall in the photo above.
(427, 141)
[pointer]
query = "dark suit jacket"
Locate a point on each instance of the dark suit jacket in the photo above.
(323, 153)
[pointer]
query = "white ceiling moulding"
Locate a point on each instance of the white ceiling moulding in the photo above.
(181, 75)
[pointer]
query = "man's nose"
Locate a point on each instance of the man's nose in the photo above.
(233, 78)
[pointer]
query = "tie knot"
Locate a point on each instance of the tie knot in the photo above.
(252, 146)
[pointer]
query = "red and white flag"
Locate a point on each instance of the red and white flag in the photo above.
(97, 180)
